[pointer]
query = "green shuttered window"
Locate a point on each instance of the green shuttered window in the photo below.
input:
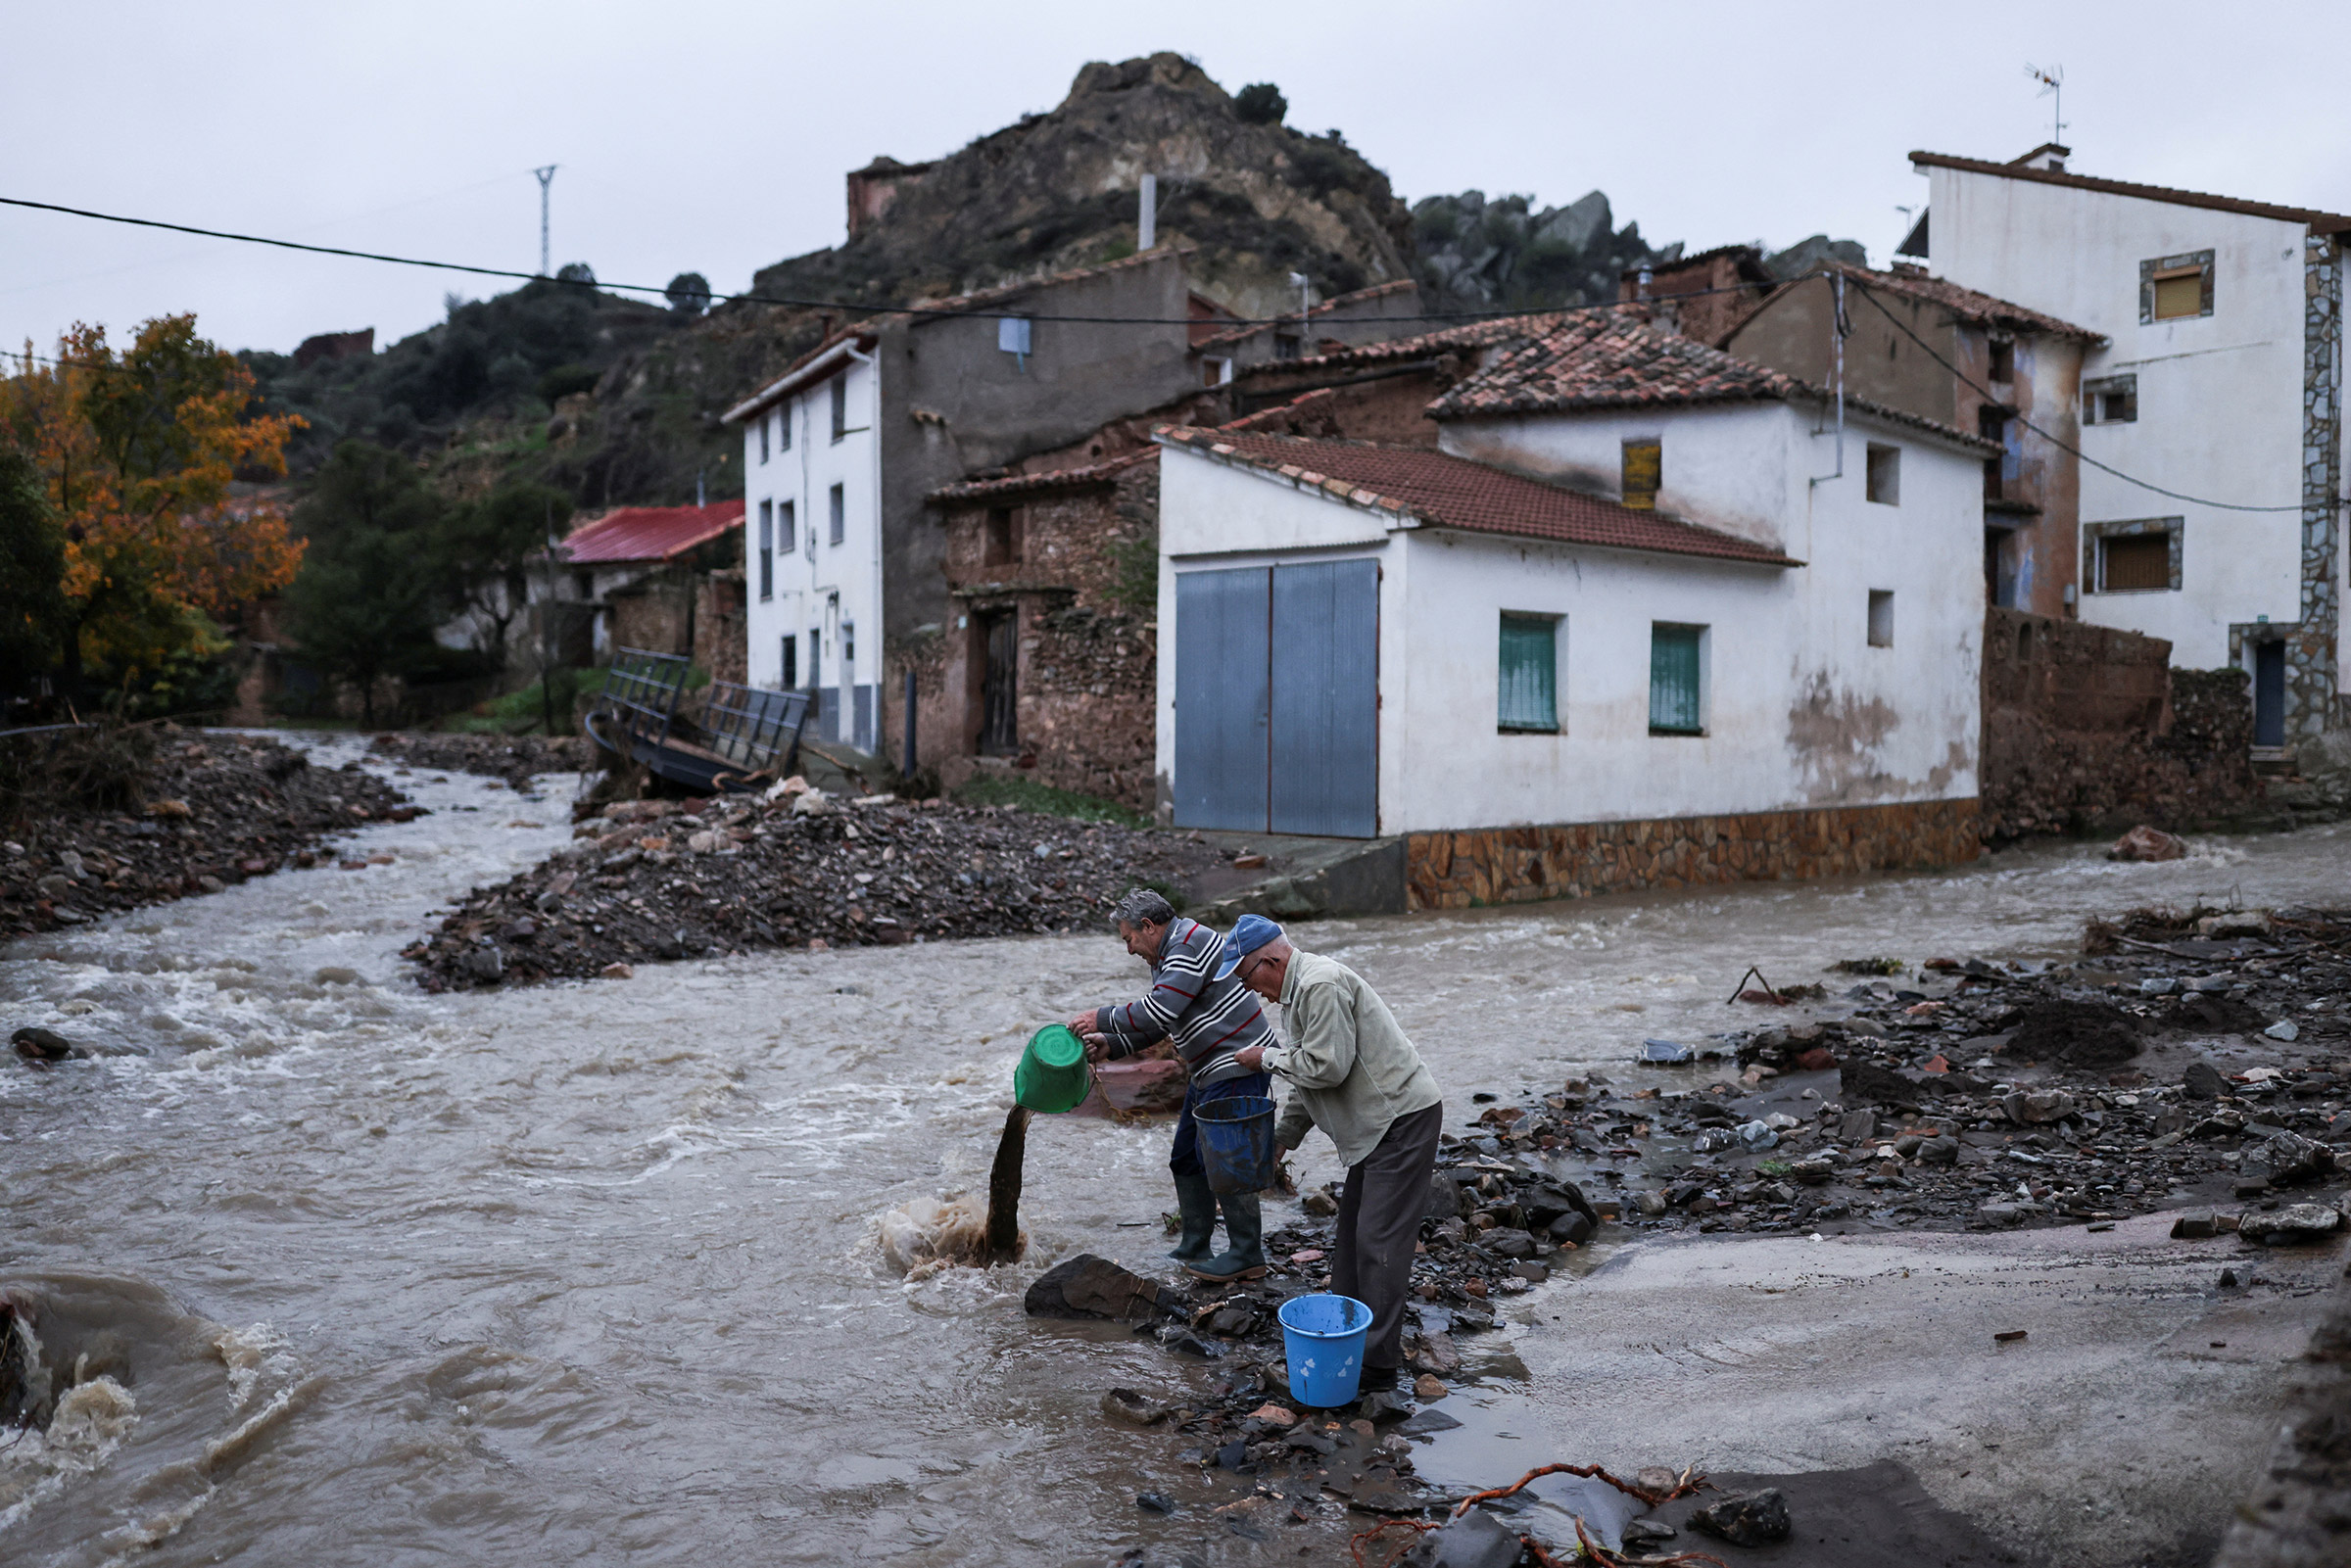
(1674, 680)
(1531, 673)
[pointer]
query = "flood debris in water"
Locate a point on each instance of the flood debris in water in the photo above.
(1003, 1236)
(516, 759)
(195, 811)
(661, 880)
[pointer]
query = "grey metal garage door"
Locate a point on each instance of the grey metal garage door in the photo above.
(1278, 698)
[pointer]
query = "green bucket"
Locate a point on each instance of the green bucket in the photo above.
(1052, 1076)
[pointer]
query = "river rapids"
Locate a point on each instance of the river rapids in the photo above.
(326, 1269)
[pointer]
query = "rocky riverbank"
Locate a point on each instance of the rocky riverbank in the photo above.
(166, 814)
(667, 879)
(516, 759)
(2193, 1057)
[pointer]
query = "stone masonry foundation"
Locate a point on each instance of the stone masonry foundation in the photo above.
(1483, 866)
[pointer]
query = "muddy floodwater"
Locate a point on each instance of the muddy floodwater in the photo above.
(590, 1272)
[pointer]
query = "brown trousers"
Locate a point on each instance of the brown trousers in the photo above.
(1381, 1211)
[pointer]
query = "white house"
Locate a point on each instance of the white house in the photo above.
(812, 539)
(1631, 627)
(2220, 381)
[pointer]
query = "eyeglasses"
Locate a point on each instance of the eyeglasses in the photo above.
(1248, 966)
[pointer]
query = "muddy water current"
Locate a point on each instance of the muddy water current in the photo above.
(591, 1272)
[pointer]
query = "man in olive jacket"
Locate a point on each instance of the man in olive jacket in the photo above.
(1353, 1073)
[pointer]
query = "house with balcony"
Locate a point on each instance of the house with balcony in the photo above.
(2210, 407)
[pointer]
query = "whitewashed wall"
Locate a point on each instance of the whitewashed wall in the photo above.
(1802, 711)
(2219, 397)
(820, 585)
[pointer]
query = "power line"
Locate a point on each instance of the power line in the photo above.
(1870, 295)
(766, 298)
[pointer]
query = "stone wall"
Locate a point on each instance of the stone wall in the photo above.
(1485, 866)
(719, 644)
(2086, 729)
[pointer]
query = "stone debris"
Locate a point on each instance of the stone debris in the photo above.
(649, 879)
(213, 808)
(2148, 843)
(516, 759)
(1754, 1519)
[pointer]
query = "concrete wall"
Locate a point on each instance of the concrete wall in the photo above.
(1802, 711)
(2219, 397)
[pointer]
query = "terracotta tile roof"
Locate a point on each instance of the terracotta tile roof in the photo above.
(1613, 359)
(1046, 481)
(1469, 335)
(1966, 304)
(862, 332)
(1359, 296)
(1042, 484)
(649, 533)
(1440, 490)
(2319, 223)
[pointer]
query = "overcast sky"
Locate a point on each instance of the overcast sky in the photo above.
(714, 138)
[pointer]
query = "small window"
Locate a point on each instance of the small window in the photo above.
(2172, 288)
(1881, 618)
(837, 502)
(1676, 678)
(784, 428)
(1003, 545)
(2113, 400)
(1287, 345)
(763, 438)
(848, 644)
(767, 548)
(583, 583)
(841, 405)
(1215, 372)
(1884, 484)
(792, 662)
(2139, 563)
(2004, 360)
(786, 526)
(1644, 473)
(1013, 337)
(1529, 682)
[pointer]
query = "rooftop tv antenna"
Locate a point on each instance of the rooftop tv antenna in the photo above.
(547, 178)
(2053, 87)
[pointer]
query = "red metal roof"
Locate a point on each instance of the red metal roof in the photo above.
(651, 533)
(1443, 490)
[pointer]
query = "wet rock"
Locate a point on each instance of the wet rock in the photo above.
(2291, 1159)
(36, 1044)
(2145, 843)
(1428, 1388)
(1512, 1244)
(2197, 1225)
(1321, 1204)
(1127, 1407)
(2085, 1034)
(1571, 1228)
(2285, 1029)
(1155, 1502)
(1858, 1126)
(1750, 1519)
(1276, 1416)
(2296, 1224)
(2203, 1081)
(1867, 1081)
(2037, 1106)
(1639, 1533)
(1999, 1216)
(1386, 1404)
(1086, 1286)
(1444, 1198)
(1476, 1540)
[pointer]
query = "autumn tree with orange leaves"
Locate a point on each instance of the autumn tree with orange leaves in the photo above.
(137, 452)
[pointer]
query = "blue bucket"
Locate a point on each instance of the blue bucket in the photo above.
(1323, 1337)
(1236, 1142)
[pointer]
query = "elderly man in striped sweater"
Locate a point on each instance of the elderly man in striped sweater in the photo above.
(1210, 1016)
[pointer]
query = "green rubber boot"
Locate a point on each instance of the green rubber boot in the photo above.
(1244, 1229)
(1196, 1205)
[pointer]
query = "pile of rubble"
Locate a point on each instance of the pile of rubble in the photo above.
(215, 808)
(516, 759)
(665, 880)
(2196, 1057)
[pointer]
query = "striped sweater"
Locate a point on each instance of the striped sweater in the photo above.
(1209, 1019)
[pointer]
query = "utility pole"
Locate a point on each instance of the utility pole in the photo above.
(547, 178)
